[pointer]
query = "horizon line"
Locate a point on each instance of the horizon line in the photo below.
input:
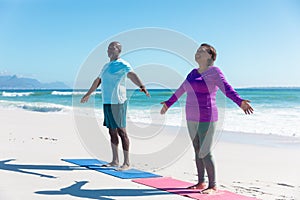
(237, 88)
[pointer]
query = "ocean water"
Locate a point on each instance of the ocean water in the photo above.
(276, 110)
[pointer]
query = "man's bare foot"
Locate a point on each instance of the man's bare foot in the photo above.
(124, 167)
(198, 186)
(211, 190)
(111, 164)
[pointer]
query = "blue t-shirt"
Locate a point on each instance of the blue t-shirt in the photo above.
(112, 77)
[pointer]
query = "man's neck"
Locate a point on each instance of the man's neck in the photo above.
(114, 58)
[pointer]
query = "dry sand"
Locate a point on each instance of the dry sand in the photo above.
(32, 145)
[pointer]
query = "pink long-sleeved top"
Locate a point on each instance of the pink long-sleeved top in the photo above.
(201, 89)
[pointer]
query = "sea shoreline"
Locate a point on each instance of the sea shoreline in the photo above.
(275, 110)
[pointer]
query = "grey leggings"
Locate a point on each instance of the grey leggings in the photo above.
(202, 134)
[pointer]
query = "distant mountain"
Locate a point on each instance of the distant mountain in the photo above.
(14, 82)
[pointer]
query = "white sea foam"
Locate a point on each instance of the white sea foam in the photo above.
(280, 118)
(68, 93)
(16, 94)
(147, 117)
(34, 106)
(281, 121)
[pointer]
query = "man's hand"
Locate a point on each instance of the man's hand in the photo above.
(143, 89)
(85, 98)
(94, 86)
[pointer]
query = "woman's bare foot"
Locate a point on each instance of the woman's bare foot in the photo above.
(198, 186)
(211, 190)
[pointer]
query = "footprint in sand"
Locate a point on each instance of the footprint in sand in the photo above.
(265, 190)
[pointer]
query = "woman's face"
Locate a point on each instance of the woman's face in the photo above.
(202, 55)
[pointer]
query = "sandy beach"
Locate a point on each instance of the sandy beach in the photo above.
(33, 144)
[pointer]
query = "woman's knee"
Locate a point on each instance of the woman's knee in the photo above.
(205, 155)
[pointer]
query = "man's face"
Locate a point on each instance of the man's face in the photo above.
(113, 51)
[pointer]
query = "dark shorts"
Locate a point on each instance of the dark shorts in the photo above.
(115, 115)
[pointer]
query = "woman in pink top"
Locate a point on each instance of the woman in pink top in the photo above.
(201, 86)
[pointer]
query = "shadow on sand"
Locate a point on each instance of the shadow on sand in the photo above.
(20, 168)
(101, 194)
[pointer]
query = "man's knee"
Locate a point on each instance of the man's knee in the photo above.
(122, 132)
(113, 131)
(114, 136)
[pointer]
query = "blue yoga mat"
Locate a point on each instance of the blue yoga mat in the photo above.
(85, 162)
(96, 165)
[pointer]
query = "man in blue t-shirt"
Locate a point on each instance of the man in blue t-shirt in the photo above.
(112, 80)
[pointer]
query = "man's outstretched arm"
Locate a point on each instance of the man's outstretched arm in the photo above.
(94, 86)
(137, 81)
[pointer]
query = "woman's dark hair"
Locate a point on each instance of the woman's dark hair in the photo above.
(211, 50)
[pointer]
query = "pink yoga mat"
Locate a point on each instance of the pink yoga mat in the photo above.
(179, 187)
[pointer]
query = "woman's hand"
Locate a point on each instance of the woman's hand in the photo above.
(164, 109)
(85, 98)
(245, 105)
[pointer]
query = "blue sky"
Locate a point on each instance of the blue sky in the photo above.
(257, 41)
